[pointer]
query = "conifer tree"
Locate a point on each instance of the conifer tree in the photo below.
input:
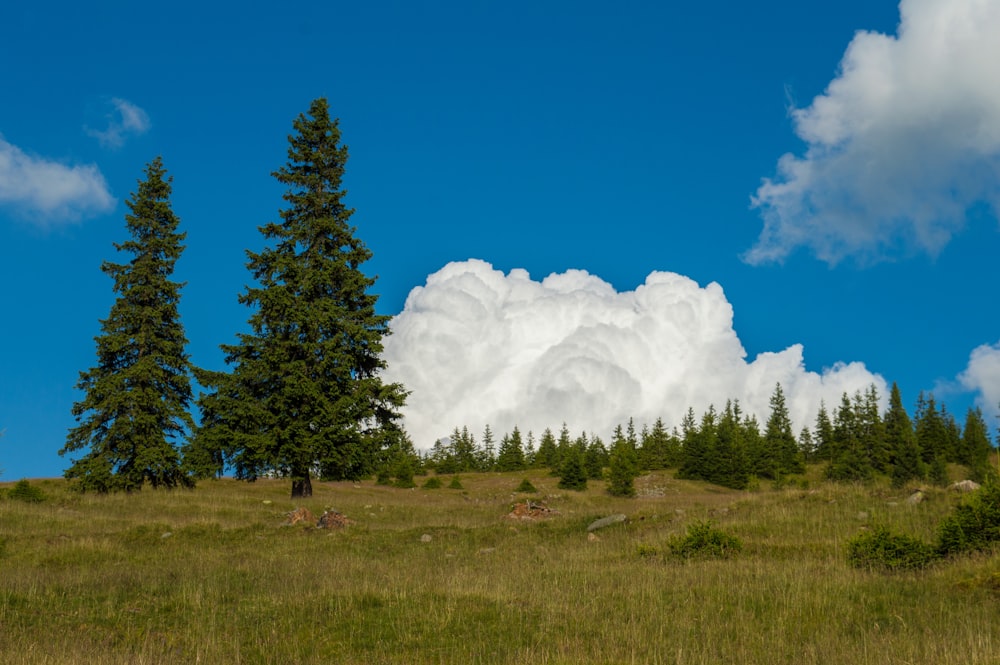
(731, 468)
(779, 439)
(622, 465)
(510, 457)
(135, 411)
(655, 449)
(901, 442)
(547, 455)
(850, 461)
(595, 458)
(975, 447)
(304, 394)
(487, 452)
(571, 474)
(871, 429)
(694, 454)
(824, 434)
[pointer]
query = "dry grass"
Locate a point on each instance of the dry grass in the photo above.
(90, 579)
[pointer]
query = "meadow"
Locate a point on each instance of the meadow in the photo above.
(213, 575)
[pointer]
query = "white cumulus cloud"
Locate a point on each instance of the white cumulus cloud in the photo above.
(46, 191)
(982, 376)
(478, 347)
(903, 142)
(124, 119)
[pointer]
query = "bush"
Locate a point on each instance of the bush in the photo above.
(880, 549)
(455, 484)
(703, 540)
(974, 525)
(432, 483)
(25, 491)
(526, 487)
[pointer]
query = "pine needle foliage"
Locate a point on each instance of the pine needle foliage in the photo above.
(135, 410)
(304, 396)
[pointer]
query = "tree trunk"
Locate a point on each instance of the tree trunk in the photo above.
(302, 486)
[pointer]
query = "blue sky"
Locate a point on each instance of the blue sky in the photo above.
(621, 140)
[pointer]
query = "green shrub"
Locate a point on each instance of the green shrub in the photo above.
(974, 525)
(880, 549)
(432, 483)
(526, 487)
(703, 540)
(455, 484)
(25, 491)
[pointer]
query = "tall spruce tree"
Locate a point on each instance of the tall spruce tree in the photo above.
(135, 411)
(975, 447)
(304, 394)
(779, 439)
(901, 442)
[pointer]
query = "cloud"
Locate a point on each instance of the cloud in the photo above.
(983, 377)
(477, 347)
(46, 191)
(125, 119)
(903, 142)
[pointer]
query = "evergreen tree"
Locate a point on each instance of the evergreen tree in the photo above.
(731, 468)
(547, 455)
(595, 458)
(135, 411)
(572, 475)
(487, 453)
(529, 450)
(975, 447)
(850, 462)
(779, 439)
(623, 465)
(901, 442)
(932, 433)
(304, 393)
(655, 448)
(693, 452)
(463, 447)
(753, 444)
(510, 457)
(871, 429)
(824, 434)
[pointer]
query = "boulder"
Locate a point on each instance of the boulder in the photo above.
(964, 486)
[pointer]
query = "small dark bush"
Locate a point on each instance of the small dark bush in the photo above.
(455, 484)
(880, 549)
(25, 491)
(526, 487)
(974, 525)
(432, 483)
(703, 540)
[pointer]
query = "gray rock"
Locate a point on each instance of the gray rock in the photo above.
(964, 486)
(915, 498)
(606, 521)
(426, 538)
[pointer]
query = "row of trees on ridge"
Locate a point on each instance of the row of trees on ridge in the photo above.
(730, 448)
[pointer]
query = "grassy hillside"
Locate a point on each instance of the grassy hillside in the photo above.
(212, 576)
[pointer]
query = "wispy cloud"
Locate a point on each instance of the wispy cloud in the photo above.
(125, 120)
(48, 192)
(477, 347)
(902, 143)
(982, 376)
